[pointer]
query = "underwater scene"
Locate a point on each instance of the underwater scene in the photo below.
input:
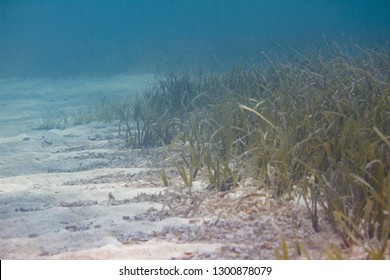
(194, 129)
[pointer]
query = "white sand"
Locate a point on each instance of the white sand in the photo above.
(55, 184)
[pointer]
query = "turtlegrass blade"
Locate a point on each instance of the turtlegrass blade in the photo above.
(369, 188)
(175, 140)
(183, 175)
(283, 242)
(382, 136)
(342, 221)
(241, 106)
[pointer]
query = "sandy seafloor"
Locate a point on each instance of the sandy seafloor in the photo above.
(77, 193)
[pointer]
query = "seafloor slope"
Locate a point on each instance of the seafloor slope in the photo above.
(76, 193)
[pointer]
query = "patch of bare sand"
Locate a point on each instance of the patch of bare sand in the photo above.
(74, 194)
(151, 250)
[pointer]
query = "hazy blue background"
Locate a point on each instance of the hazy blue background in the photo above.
(68, 38)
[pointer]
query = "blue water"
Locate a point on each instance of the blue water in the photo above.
(68, 38)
